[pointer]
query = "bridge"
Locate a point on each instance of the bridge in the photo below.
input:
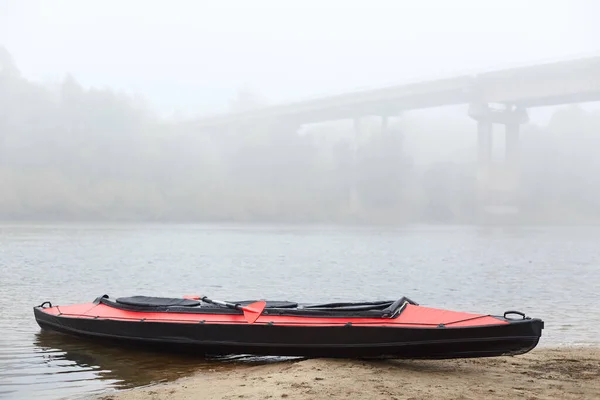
(496, 97)
(549, 84)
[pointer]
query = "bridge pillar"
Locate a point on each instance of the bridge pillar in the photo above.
(385, 120)
(484, 144)
(354, 197)
(358, 130)
(497, 185)
(512, 144)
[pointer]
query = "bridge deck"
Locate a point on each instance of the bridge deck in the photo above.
(539, 85)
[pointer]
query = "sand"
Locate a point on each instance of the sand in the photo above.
(557, 373)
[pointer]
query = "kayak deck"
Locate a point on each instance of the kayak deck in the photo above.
(401, 312)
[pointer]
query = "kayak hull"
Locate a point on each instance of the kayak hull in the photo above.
(265, 338)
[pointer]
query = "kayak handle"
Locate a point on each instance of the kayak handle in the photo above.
(44, 303)
(514, 312)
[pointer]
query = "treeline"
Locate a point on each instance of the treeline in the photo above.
(70, 153)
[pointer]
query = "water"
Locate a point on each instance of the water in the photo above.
(548, 272)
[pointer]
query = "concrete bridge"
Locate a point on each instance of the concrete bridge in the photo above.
(498, 97)
(533, 86)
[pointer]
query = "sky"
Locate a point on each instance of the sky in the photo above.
(191, 57)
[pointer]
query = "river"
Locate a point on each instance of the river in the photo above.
(548, 272)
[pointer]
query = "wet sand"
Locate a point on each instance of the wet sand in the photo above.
(544, 373)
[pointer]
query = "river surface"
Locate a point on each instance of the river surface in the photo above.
(549, 272)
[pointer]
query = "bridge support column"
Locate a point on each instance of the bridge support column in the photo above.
(512, 144)
(354, 198)
(357, 129)
(484, 145)
(497, 185)
(385, 121)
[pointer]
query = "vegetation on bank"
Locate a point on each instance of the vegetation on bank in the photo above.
(73, 153)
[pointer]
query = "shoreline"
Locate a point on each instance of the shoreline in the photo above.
(316, 224)
(543, 373)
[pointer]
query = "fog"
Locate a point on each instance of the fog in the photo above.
(97, 103)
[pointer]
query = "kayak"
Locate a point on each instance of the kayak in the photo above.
(376, 329)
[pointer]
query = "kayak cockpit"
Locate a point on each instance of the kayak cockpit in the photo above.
(372, 309)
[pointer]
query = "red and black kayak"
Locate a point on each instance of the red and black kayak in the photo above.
(387, 329)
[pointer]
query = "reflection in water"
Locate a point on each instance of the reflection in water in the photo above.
(123, 366)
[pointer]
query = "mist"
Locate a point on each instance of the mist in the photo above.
(97, 116)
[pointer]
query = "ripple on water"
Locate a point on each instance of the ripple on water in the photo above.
(550, 273)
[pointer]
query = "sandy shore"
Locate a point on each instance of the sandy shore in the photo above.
(558, 374)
